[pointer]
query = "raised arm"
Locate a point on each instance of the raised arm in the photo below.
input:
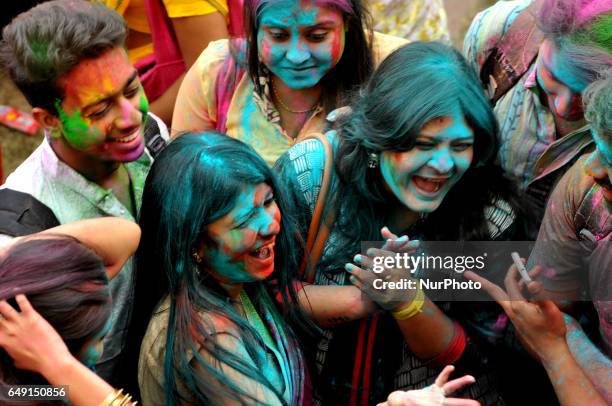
(114, 239)
(542, 329)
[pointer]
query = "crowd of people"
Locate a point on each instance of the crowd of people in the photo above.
(191, 229)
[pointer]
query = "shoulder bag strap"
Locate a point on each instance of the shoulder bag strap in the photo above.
(320, 225)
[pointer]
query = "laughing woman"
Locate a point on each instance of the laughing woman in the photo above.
(417, 156)
(212, 240)
(298, 60)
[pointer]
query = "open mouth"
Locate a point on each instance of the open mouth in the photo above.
(263, 252)
(428, 185)
(129, 138)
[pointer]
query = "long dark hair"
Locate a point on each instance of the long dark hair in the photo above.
(66, 283)
(355, 65)
(413, 85)
(175, 213)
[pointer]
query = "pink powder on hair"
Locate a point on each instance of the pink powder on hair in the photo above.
(593, 9)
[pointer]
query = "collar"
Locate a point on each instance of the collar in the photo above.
(65, 177)
(531, 80)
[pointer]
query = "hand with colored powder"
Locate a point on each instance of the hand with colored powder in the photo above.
(541, 326)
(377, 279)
(434, 394)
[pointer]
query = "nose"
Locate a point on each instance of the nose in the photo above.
(594, 167)
(129, 115)
(567, 103)
(442, 161)
(298, 52)
(270, 222)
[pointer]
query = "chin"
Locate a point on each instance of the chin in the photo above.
(300, 84)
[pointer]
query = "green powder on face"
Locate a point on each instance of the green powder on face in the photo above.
(74, 127)
(144, 104)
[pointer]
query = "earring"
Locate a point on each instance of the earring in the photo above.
(372, 160)
(196, 257)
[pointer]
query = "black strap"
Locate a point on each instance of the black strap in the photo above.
(22, 214)
(154, 142)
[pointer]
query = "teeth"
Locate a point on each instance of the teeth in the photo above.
(263, 253)
(129, 138)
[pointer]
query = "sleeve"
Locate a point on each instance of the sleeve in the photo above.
(487, 29)
(558, 248)
(189, 8)
(196, 102)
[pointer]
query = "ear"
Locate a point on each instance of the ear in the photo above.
(46, 120)
(201, 248)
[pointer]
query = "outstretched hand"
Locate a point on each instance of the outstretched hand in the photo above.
(539, 323)
(28, 338)
(435, 394)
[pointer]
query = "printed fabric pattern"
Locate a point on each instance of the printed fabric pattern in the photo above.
(393, 366)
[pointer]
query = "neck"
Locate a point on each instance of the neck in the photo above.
(401, 219)
(96, 171)
(233, 290)
(564, 127)
(295, 99)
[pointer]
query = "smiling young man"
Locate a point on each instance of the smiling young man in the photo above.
(67, 58)
(542, 124)
(574, 245)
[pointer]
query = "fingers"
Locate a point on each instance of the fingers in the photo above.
(356, 274)
(457, 384)
(535, 288)
(497, 293)
(443, 376)
(24, 305)
(363, 261)
(548, 307)
(387, 234)
(512, 285)
(8, 312)
(460, 402)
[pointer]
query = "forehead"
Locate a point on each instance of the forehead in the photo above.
(448, 127)
(291, 12)
(562, 69)
(250, 197)
(93, 78)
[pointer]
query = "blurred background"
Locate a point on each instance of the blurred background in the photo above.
(16, 146)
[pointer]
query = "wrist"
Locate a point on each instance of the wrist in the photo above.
(59, 368)
(410, 309)
(553, 353)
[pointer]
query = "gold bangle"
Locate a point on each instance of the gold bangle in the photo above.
(413, 307)
(118, 398)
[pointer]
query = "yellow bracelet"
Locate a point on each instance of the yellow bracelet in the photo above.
(117, 398)
(413, 308)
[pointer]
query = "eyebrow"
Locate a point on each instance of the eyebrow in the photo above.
(108, 96)
(251, 212)
(469, 137)
(245, 217)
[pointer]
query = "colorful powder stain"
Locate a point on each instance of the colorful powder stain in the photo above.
(76, 129)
